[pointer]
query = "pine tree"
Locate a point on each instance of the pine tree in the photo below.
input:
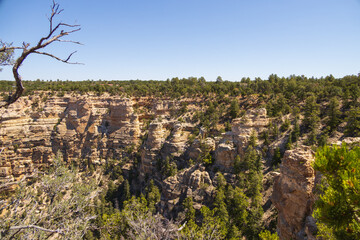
(152, 196)
(267, 235)
(311, 113)
(333, 113)
(338, 205)
(277, 157)
(126, 195)
(238, 165)
(253, 139)
(237, 204)
(189, 209)
(220, 210)
(234, 233)
(289, 143)
(234, 109)
(353, 122)
(296, 132)
(265, 137)
(252, 160)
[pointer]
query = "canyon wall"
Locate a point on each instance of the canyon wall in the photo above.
(95, 128)
(81, 127)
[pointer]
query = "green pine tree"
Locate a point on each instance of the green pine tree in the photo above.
(339, 204)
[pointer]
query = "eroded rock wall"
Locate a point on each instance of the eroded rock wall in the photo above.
(293, 194)
(81, 127)
(192, 182)
(233, 143)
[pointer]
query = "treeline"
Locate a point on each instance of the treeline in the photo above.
(293, 88)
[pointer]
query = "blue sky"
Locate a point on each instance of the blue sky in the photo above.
(160, 39)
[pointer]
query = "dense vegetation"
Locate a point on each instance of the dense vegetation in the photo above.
(284, 90)
(57, 203)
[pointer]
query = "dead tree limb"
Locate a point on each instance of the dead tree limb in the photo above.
(6, 186)
(56, 32)
(35, 227)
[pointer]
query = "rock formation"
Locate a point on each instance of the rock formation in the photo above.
(157, 135)
(234, 142)
(192, 182)
(293, 194)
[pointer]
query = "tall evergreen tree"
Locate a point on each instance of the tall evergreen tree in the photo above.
(353, 122)
(311, 113)
(334, 113)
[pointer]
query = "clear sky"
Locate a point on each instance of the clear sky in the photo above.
(160, 39)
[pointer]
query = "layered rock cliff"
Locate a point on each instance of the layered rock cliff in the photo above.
(81, 127)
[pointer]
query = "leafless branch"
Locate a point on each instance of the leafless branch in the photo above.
(69, 41)
(35, 227)
(6, 186)
(6, 48)
(59, 59)
(182, 226)
(55, 34)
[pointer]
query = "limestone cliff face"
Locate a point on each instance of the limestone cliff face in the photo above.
(81, 127)
(166, 138)
(234, 142)
(293, 194)
(89, 127)
(95, 128)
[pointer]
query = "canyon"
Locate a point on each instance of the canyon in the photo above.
(94, 129)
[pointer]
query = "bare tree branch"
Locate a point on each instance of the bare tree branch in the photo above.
(6, 48)
(6, 186)
(52, 36)
(59, 59)
(36, 227)
(69, 41)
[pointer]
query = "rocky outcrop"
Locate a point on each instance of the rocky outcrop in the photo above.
(234, 142)
(163, 107)
(157, 134)
(165, 139)
(293, 194)
(225, 154)
(95, 128)
(199, 146)
(192, 182)
(253, 120)
(176, 144)
(89, 127)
